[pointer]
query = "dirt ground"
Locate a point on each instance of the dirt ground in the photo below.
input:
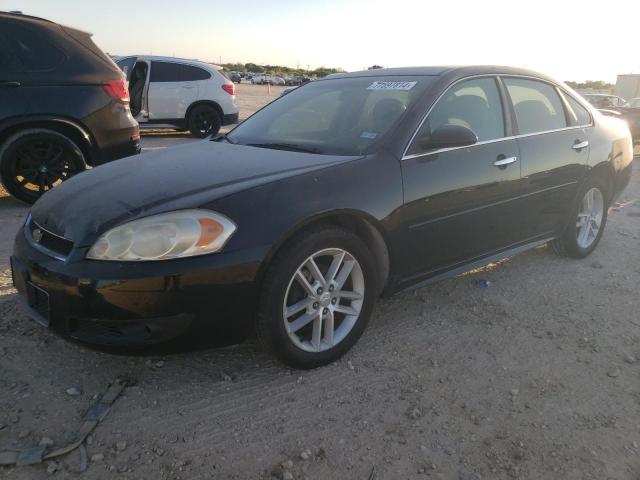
(535, 377)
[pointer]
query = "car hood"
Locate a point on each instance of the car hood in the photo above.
(185, 176)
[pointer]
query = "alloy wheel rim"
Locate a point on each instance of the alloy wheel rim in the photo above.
(589, 221)
(323, 300)
(38, 166)
(204, 122)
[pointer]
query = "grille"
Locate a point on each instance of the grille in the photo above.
(48, 242)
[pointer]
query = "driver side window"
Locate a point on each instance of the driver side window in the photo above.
(474, 104)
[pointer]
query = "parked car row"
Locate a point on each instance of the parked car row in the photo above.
(267, 79)
(261, 79)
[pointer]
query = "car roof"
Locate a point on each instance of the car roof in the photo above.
(22, 16)
(189, 61)
(450, 70)
(30, 18)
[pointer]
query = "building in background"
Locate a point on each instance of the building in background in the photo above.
(628, 86)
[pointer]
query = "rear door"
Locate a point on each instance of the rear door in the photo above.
(169, 94)
(14, 100)
(554, 152)
(30, 62)
(460, 203)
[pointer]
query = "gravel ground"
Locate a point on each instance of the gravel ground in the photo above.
(535, 377)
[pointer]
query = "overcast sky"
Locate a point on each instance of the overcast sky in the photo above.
(567, 39)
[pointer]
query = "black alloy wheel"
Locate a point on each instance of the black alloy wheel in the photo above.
(204, 121)
(35, 161)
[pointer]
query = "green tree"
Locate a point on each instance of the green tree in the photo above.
(595, 84)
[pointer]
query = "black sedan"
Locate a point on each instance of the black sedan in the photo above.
(351, 187)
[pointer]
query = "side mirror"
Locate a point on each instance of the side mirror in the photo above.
(448, 136)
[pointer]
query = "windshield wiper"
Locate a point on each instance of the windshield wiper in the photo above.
(285, 146)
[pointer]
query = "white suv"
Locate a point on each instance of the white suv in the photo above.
(177, 93)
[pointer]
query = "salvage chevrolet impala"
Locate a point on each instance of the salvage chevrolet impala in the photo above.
(351, 187)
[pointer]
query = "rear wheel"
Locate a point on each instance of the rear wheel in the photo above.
(587, 221)
(317, 297)
(204, 120)
(34, 161)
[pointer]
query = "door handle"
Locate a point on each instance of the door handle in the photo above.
(504, 161)
(187, 86)
(578, 145)
(9, 84)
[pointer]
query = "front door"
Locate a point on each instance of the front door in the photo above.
(460, 203)
(169, 94)
(137, 73)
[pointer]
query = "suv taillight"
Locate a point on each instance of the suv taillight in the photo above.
(117, 89)
(230, 88)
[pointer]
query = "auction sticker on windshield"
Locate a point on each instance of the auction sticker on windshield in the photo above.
(391, 86)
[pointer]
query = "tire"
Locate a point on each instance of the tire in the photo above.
(303, 348)
(34, 161)
(204, 121)
(570, 243)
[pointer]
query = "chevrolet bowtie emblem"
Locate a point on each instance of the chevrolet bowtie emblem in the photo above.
(37, 235)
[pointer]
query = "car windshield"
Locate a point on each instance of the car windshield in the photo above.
(343, 116)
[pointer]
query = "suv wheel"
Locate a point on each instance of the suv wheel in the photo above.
(317, 297)
(34, 161)
(204, 120)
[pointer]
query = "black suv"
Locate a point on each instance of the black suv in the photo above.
(64, 105)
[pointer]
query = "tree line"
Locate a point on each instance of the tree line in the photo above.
(595, 84)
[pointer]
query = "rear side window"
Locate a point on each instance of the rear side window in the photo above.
(191, 73)
(578, 115)
(474, 104)
(165, 72)
(537, 105)
(176, 72)
(35, 52)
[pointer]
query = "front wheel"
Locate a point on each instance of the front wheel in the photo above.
(587, 221)
(204, 120)
(317, 297)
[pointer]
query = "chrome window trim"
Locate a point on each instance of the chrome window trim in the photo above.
(501, 139)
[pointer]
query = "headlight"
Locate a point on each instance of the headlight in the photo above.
(183, 233)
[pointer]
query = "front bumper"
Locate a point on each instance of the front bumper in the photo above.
(208, 299)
